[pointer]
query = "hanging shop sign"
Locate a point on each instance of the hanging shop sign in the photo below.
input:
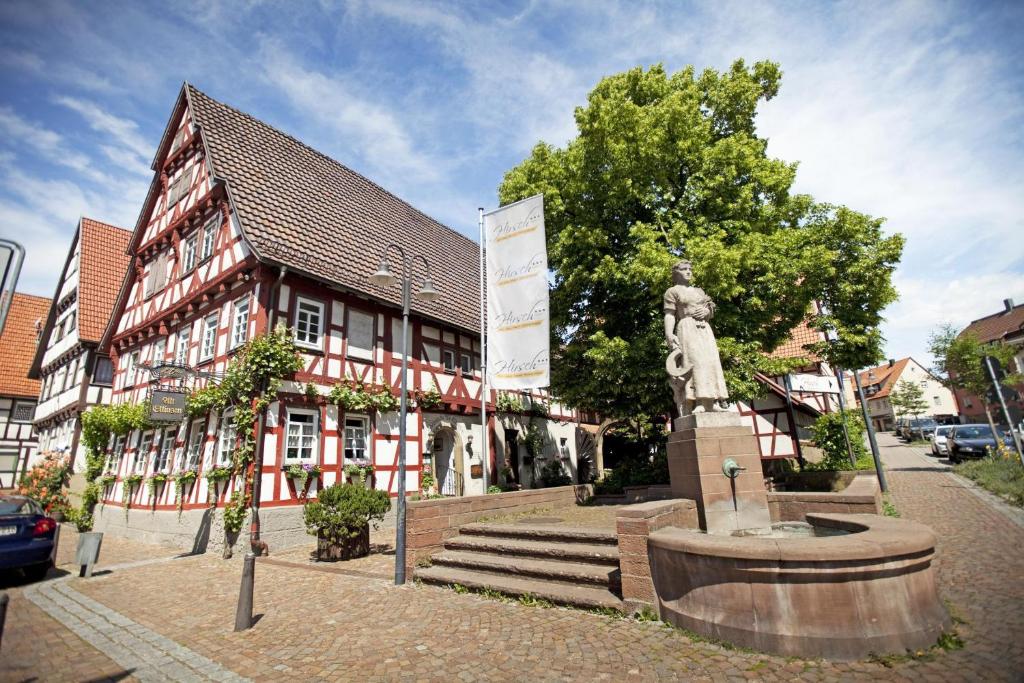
(166, 405)
(817, 384)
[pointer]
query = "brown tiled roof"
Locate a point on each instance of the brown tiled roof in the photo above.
(997, 325)
(102, 266)
(793, 347)
(305, 210)
(885, 376)
(18, 341)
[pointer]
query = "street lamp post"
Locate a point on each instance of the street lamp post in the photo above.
(871, 432)
(385, 278)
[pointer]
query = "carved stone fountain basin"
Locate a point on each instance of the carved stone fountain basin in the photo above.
(860, 584)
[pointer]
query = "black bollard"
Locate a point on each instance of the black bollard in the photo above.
(4, 599)
(243, 614)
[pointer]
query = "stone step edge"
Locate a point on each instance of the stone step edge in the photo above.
(477, 581)
(571, 573)
(586, 535)
(573, 552)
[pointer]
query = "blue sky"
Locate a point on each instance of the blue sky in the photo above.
(912, 111)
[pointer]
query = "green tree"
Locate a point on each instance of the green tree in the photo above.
(960, 363)
(669, 165)
(907, 398)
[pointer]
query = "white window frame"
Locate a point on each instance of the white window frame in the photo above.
(364, 422)
(448, 360)
(183, 339)
(139, 461)
(192, 453)
(463, 357)
(129, 370)
(319, 305)
(227, 435)
(22, 405)
(240, 321)
(117, 455)
(165, 451)
(189, 250)
(159, 351)
(210, 230)
(313, 458)
(208, 339)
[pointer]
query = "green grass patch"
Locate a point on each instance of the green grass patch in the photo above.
(1002, 476)
(888, 509)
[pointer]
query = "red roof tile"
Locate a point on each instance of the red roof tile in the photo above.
(305, 210)
(793, 347)
(18, 342)
(884, 376)
(998, 325)
(102, 266)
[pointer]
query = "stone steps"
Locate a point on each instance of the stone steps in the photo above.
(586, 596)
(574, 573)
(563, 565)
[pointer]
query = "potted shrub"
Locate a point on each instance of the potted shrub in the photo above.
(340, 519)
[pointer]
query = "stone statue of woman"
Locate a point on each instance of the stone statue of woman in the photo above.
(693, 365)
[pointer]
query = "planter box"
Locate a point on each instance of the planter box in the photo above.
(347, 549)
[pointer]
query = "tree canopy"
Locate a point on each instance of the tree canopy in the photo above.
(960, 361)
(907, 398)
(665, 166)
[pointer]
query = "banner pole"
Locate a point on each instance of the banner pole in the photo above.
(485, 459)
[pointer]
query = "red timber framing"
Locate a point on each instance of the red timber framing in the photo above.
(192, 273)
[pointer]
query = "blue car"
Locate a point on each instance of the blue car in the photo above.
(28, 537)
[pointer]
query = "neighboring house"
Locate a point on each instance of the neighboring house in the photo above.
(879, 382)
(1006, 326)
(18, 393)
(245, 229)
(72, 374)
(776, 424)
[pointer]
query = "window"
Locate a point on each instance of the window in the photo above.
(23, 411)
(60, 379)
(157, 277)
(181, 346)
(163, 456)
(69, 375)
(178, 139)
(360, 334)
(196, 437)
(302, 435)
(563, 447)
(117, 455)
(466, 363)
(356, 436)
(159, 351)
(210, 231)
(309, 316)
(937, 400)
(188, 253)
(69, 325)
(130, 369)
(209, 344)
(104, 372)
(226, 438)
(179, 188)
(448, 359)
(240, 325)
(145, 445)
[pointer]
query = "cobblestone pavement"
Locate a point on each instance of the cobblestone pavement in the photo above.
(327, 625)
(979, 559)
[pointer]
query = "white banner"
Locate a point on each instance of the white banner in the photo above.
(818, 384)
(518, 343)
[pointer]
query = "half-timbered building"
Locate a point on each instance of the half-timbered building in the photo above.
(245, 229)
(72, 374)
(18, 392)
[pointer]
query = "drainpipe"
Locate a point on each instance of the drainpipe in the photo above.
(254, 527)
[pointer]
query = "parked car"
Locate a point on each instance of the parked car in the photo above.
(973, 441)
(939, 442)
(898, 426)
(28, 537)
(922, 428)
(906, 431)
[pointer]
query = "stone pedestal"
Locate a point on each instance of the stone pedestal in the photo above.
(696, 450)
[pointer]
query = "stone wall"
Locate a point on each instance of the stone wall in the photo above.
(429, 523)
(862, 496)
(200, 531)
(634, 524)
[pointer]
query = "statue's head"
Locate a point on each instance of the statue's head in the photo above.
(682, 272)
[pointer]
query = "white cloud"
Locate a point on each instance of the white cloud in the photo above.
(125, 132)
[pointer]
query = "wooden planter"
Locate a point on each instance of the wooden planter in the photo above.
(347, 549)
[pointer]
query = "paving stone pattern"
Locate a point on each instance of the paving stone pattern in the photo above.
(331, 626)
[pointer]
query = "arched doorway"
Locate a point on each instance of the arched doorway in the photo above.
(446, 450)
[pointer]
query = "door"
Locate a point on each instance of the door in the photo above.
(444, 462)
